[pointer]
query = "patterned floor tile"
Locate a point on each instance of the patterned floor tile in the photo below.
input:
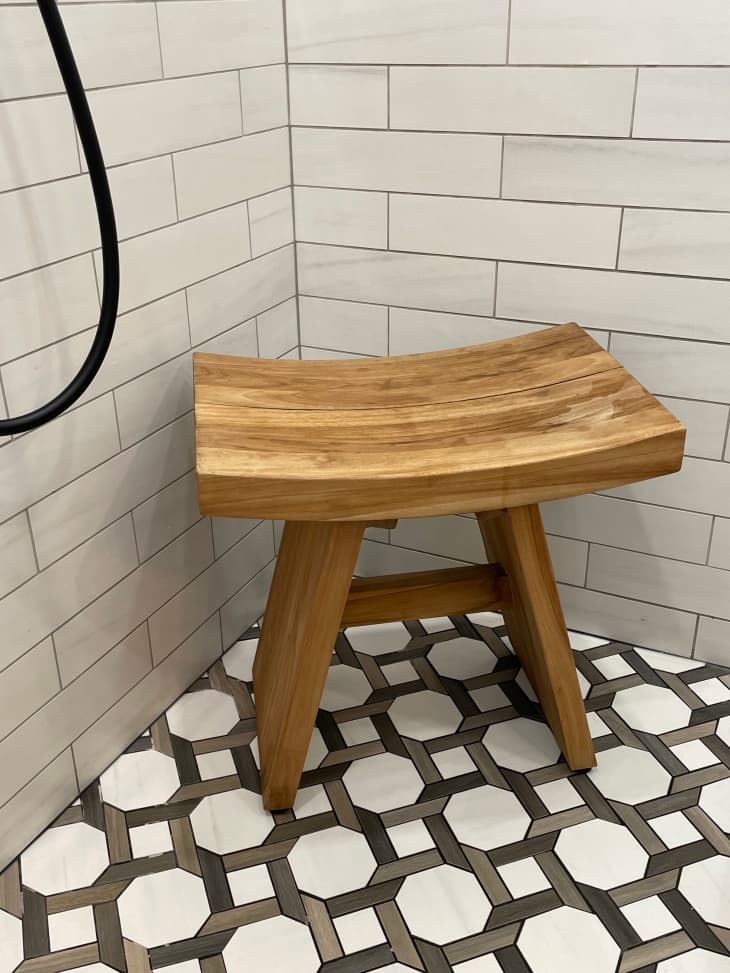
(437, 827)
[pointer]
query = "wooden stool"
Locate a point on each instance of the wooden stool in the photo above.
(333, 446)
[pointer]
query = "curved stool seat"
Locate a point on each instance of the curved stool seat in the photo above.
(332, 446)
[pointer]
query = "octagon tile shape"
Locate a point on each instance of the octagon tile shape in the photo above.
(706, 886)
(330, 862)
(345, 687)
(462, 658)
(567, 939)
(316, 752)
(203, 714)
(65, 858)
(383, 782)
(521, 744)
(425, 715)
(696, 961)
(276, 945)
(140, 779)
(715, 802)
(601, 854)
(238, 660)
(11, 941)
(378, 639)
(443, 904)
(163, 908)
(652, 709)
(487, 817)
(629, 775)
(230, 821)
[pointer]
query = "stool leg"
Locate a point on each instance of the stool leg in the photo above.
(536, 625)
(306, 601)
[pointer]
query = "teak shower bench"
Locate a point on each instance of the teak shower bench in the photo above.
(331, 447)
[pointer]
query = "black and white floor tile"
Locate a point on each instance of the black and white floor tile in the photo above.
(437, 827)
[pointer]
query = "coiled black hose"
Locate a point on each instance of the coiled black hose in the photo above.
(107, 228)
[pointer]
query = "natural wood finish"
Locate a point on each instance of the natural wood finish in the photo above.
(548, 414)
(394, 597)
(536, 627)
(308, 594)
(384, 524)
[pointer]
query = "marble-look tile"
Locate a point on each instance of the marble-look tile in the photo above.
(250, 885)
(140, 779)
(601, 854)
(706, 886)
(218, 763)
(378, 639)
(66, 858)
(410, 838)
(443, 904)
(331, 862)
(238, 660)
(629, 775)
(521, 744)
(675, 242)
(345, 687)
(204, 714)
(339, 95)
(11, 941)
(558, 795)
(694, 754)
(275, 944)
(674, 829)
(454, 762)
(358, 930)
(711, 691)
(715, 801)
(230, 821)
(695, 961)
(668, 663)
(524, 877)
(462, 658)
(684, 103)
(72, 928)
(650, 917)
(358, 731)
(565, 939)
(150, 839)
(652, 709)
(163, 907)
(486, 817)
(383, 782)
(424, 715)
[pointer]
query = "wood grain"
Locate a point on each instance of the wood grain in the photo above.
(545, 415)
(537, 629)
(307, 597)
(422, 594)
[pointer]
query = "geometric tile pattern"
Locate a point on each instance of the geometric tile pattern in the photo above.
(437, 827)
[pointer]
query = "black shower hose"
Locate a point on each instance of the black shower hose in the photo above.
(107, 228)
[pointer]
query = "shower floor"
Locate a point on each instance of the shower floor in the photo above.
(436, 828)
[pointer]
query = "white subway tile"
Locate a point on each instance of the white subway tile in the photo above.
(76, 512)
(17, 563)
(376, 558)
(264, 98)
(702, 485)
(634, 526)
(676, 242)
(34, 465)
(192, 605)
(143, 339)
(51, 303)
(404, 279)
(415, 162)
(143, 195)
(683, 103)
(154, 399)
(34, 807)
(112, 45)
(622, 172)
(690, 587)
(216, 175)
(619, 32)
(498, 228)
(136, 121)
(166, 260)
(713, 641)
(125, 720)
(569, 559)
(415, 331)
(87, 636)
(228, 531)
(344, 95)
(615, 301)
(321, 354)
(720, 549)
(690, 369)
(241, 340)
(397, 31)
(277, 329)
(706, 424)
(358, 328)
(39, 141)
(49, 731)
(239, 294)
(246, 606)
(27, 685)
(555, 101)
(198, 36)
(271, 221)
(454, 537)
(342, 216)
(166, 515)
(33, 611)
(628, 620)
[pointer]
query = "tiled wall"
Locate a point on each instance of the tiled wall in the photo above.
(114, 594)
(472, 170)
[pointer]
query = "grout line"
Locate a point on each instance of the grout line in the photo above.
(33, 547)
(618, 240)
(695, 634)
(501, 168)
(285, 25)
(633, 104)
(174, 187)
(709, 539)
(159, 40)
(387, 94)
(726, 443)
(240, 101)
(496, 281)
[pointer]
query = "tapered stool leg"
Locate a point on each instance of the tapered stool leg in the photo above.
(536, 626)
(307, 598)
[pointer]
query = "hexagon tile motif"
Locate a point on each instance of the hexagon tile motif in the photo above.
(436, 828)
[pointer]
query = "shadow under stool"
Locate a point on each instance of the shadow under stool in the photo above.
(332, 447)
